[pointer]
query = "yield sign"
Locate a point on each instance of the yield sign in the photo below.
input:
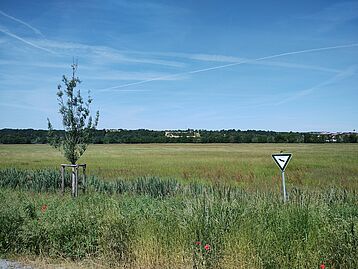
(282, 160)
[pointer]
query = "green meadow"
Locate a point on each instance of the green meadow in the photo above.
(182, 206)
(250, 165)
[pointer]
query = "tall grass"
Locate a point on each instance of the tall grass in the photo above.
(249, 165)
(164, 223)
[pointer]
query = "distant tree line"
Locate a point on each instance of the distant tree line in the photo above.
(30, 136)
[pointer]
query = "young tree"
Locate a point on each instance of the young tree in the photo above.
(76, 119)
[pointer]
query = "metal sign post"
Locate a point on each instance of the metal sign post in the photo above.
(284, 187)
(282, 160)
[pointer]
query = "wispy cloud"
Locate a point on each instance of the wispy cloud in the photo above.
(28, 107)
(232, 59)
(340, 76)
(37, 31)
(99, 55)
(167, 77)
(298, 66)
(7, 32)
(334, 15)
(234, 64)
(103, 53)
(125, 75)
(338, 12)
(348, 72)
(34, 64)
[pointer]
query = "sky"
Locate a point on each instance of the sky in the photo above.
(263, 65)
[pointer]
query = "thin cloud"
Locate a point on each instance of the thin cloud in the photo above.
(349, 72)
(135, 90)
(124, 76)
(99, 55)
(233, 59)
(103, 54)
(5, 31)
(25, 107)
(213, 57)
(138, 83)
(340, 76)
(37, 31)
(337, 12)
(35, 64)
(333, 16)
(299, 66)
(233, 64)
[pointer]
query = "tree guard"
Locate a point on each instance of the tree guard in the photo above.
(74, 177)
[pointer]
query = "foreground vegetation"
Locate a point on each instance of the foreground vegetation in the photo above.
(162, 223)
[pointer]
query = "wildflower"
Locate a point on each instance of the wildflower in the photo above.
(43, 208)
(207, 247)
(198, 243)
(322, 266)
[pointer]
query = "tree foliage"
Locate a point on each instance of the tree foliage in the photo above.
(30, 136)
(77, 120)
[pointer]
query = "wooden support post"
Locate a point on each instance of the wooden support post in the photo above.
(84, 178)
(73, 176)
(62, 180)
(76, 180)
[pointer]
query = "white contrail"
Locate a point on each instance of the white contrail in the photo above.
(340, 76)
(37, 31)
(233, 64)
(138, 82)
(25, 41)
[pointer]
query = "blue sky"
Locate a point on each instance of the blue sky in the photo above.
(269, 65)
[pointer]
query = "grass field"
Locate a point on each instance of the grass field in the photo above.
(312, 165)
(183, 206)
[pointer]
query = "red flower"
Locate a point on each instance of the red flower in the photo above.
(207, 247)
(198, 243)
(322, 266)
(43, 208)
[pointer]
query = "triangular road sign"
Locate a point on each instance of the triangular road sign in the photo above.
(282, 160)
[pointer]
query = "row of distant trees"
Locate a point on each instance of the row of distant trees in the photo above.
(30, 136)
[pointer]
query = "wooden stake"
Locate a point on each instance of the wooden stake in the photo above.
(63, 180)
(76, 180)
(73, 176)
(84, 178)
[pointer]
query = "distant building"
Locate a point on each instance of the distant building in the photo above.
(112, 130)
(335, 137)
(178, 134)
